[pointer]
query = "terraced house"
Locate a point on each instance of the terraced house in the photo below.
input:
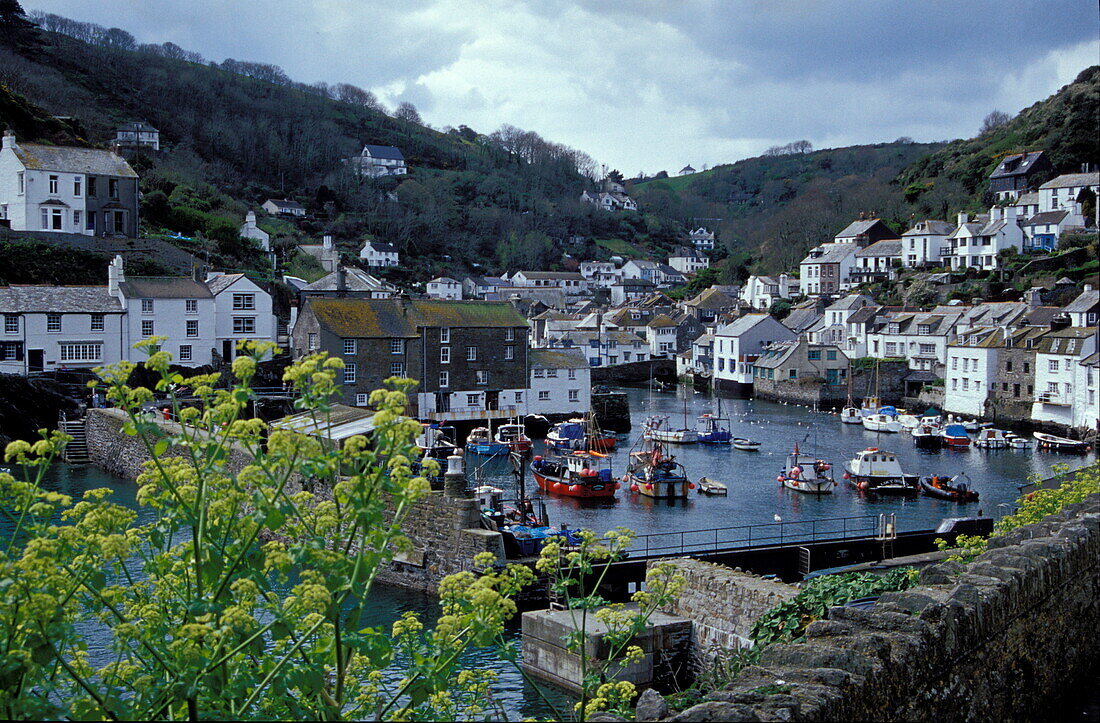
(469, 358)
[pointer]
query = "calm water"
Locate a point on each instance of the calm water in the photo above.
(754, 495)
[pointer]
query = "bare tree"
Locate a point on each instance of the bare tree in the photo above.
(407, 112)
(994, 120)
(353, 94)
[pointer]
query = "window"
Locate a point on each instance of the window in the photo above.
(362, 400)
(471, 353)
(1053, 365)
(551, 373)
(54, 182)
(509, 352)
(472, 400)
(53, 322)
(444, 355)
(519, 397)
(482, 376)
(927, 348)
(891, 348)
(954, 384)
(76, 219)
(312, 341)
(1008, 365)
(11, 324)
(146, 306)
(147, 327)
(76, 186)
(241, 325)
(444, 379)
(444, 335)
(573, 372)
(244, 302)
(794, 374)
(537, 373)
(20, 182)
(397, 346)
(813, 354)
(574, 395)
(351, 371)
(97, 322)
(966, 384)
(112, 187)
(544, 396)
(397, 369)
(509, 334)
(831, 355)
(81, 352)
(1027, 367)
(1052, 387)
(350, 346)
(91, 185)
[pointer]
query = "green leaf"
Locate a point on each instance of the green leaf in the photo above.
(160, 447)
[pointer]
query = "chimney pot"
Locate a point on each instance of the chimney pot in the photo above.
(9, 139)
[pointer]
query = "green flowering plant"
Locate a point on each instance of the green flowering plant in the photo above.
(243, 596)
(576, 574)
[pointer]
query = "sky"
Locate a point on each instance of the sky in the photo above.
(651, 85)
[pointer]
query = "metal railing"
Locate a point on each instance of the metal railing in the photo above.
(760, 535)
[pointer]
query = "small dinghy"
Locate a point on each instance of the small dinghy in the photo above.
(991, 439)
(708, 486)
(945, 488)
(1016, 442)
(480, 441)
(1052, 443)
(746, 444)
(909, 421)
(881, 423)
(513, 437)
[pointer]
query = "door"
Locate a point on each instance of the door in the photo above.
(227, 350)
(492, 400)
(442, 402)
(832, 376)
(35, 360)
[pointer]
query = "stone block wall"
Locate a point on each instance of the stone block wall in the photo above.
(1008, 637)
(723, 604)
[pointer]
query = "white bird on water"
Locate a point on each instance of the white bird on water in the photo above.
(778, 518)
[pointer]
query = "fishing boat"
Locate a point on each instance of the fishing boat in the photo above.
(879, 472)
(653, 473)
(713, 429)
(659, 429)
(928, 436)
(435, 441)
(1017, 442)
(1052, 443)
(747, 445)
(480, 441)
(990, 438)
(806, 473)
(578, 474)
(513, 437)
(870, 405)
(708, 486)
(954, 435)
(850, 414)
(580, 434)
(881, 423)
(948, 488)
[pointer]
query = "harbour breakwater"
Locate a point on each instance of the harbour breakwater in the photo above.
(1009, 636)
(444, 527)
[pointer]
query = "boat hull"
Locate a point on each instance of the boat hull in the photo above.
(809, 486)
(875, 425)
(487, 449)
(1051, 443)
(674, 436)
(661, 488)
(746, 445)
(711, 487)
(951, 494)
(956, 442)
(904, 486)
(850, 415)
(567, 488)
(927, 441)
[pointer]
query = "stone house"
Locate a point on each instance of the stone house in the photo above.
(483, 287)
(325, 252)
(349, 282)
(1064, 192)
(799, 361)
(469, 358)
(560, 382)
(1017, 174)
(709, 305)
(67, 190)
(920, 337)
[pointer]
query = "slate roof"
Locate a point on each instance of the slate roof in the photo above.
(23, 299)
(386, 152)
(851, 301)
(661, 321)
(864, 315)
(1041, 315)
(551, 275)
(742, 324)
(886, 247)
(354, 280)
(164, 287)
(1031, 198)
(775, 354)
(222, 282)
(1072, 180)
(382, 248)
(285, 203)
(1067, 340)
(932, 227)
(137, 127)
(683, 252)
(855, 228)
(634, 282)
(830, 254)
(401, 318)
(802, 319)
(581, 338)
(1086, 301)
(1017, 164)
(1046, 217)
(557, 358)
(442, 280)
(712, 299)
(68, 159)
(669, 271)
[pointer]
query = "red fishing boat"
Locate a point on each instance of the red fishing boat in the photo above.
(580, 474)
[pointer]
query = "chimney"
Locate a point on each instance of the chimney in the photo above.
(963, 218)
(1088, 287)
(326, 241)
(1059, 321)
(250, 218)
(1010, 214)
(9, 139)
(1034, 297)
(115, 275)
(994, 214)
(341, 280)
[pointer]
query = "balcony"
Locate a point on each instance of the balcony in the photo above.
(473, 415)
(1057, 399)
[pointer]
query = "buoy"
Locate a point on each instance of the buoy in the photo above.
(779, 479)
(573, 488)
(863, 485)
(634, 487)
(617, 485)
(691, 485)
(847, 476)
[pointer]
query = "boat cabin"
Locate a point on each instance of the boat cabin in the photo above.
(873, 462)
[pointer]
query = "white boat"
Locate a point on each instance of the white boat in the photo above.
(708, 486)
(881, 423)
(806, 473)
(1016, 442)
(991, 439)
(658, 429)
(746, 444)
(909, 421)
(850, 415)
(879, 472)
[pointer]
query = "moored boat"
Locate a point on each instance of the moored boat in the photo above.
(435, 441)
(881, 423)
(712, 429)
(879, 472)
(1017, 442)
(746, 445)
(513, 437)
(480, 441)
(659, 429)
(652, 473)
(806, 473)
(928, 436)
(908, 421)
(850, 415)
(708, 486)
(954, 435)
(990, 438)
(579, 474)
(946, 488)
(1053, 443)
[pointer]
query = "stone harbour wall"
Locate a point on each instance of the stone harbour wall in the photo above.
(1009, 636)
(723, 604)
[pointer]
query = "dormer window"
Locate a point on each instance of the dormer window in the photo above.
(924, 329)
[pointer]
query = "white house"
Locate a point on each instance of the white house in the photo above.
(443, 287)
(1042, 231)
(283, 207)
(378, 161)
(978, 243)
(1086, 385)
(827, 269)
(1057, 356)
(242, 311)
(351, 283)
(701, 238)
(627, 290)
(834, 325)
(249, 229)
(877, 262)
(378, 255)
(642, 269)
(760, 292)
(926, 244)
(46, 328)
(560, 381)
(612, 197)
(137, 135)
(919, 337)
(69, 190)
(688, 261)
(661, 335)
(737, 346)
(570, 282)
(1084, 311)
(1062, 192)
(971, 364)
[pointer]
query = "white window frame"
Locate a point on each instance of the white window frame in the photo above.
(397, 346)
(147, 306)
(445, 335)
(79, 352)
(351, 372)
(471, 353)
(482, 377)
(311, 341)
(244, 325)
(444, 378)
(397, 369)
(191, 328)
(53, 323)
(97, 322)
(185, 352)
(191, 306)
(148, 328)
(362, 400)
(11, 323)
(351, 346)
(244, 302)
(509, 353)
(574, 395)
(444, 355)
(544, 395)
